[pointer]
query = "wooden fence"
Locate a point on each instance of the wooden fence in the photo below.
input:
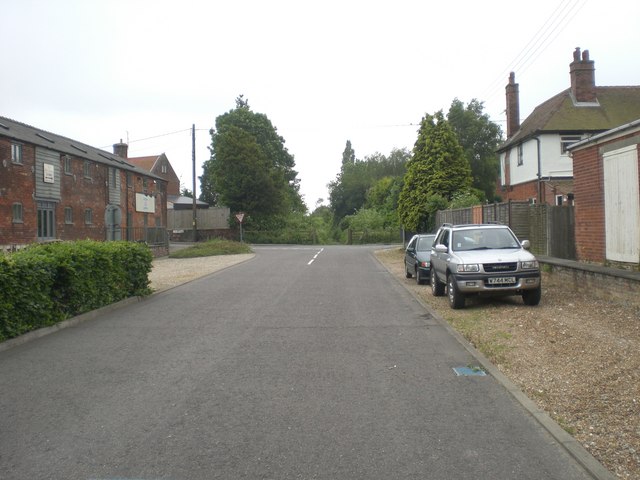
(550, 229)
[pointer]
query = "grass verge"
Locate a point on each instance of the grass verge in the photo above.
(211, 248)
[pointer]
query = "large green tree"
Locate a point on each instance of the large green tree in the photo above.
(479, 137)
(436, 171)
(250, 169)
(349, 192)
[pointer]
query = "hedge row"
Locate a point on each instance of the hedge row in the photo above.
(47, 283)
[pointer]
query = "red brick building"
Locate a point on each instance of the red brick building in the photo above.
(607, 196)
(159, 165)
(56, 188)
(534, 160)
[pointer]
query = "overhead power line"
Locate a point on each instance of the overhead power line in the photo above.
(152, 137)
(541, 40)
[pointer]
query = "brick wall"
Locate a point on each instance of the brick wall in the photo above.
(77, 191)
(528, 190)
(17, 186)
(81, 193)
(589, 205)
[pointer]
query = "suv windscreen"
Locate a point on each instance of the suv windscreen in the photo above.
(483, 239)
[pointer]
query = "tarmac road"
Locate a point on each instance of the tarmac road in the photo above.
(302, 363)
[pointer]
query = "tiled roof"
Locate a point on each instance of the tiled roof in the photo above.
(616, 106)
(146, 163)
(31, 135)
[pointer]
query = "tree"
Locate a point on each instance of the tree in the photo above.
(349, 155)
(250, 169)
(437, 170)
(350, 191)
(185, 192)
(479, 137)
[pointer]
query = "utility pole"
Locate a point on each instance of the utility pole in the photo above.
(193, 163)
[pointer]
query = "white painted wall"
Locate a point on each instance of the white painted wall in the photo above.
(552, 162)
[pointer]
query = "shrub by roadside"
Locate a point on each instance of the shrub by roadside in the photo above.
(47, 283)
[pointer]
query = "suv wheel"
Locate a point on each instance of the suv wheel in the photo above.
(437, 287)
(532, 297)
(456, 298)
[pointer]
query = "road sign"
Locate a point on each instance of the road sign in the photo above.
(240, 216)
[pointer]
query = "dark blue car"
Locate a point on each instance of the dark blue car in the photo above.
(417, 257)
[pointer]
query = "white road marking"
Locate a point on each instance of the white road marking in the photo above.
(315, 256)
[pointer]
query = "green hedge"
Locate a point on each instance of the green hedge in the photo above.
(46, 283)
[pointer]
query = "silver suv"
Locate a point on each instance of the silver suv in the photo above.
(482, 259)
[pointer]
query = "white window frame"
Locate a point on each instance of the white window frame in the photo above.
(566, 141)
(16, 153)
(520, 154)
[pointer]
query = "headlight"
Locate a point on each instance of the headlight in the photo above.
(472, 267)
(530, 265)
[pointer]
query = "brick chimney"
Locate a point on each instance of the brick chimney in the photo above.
(583, 77)
(513, 105)
(121, 149)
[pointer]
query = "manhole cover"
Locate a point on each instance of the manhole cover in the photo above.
(469, 371)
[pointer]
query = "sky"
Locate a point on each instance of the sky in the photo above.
(145, 72)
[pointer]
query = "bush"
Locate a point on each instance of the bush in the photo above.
(47, 283)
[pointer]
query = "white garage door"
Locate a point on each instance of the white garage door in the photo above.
(622, 205)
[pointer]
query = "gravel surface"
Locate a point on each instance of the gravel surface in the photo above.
(577, 357)
(169, 272)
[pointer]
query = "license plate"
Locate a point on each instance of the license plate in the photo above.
(501, 280)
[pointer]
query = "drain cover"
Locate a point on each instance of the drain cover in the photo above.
(469, 371)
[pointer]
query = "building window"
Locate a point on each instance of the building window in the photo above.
(113, 176)
(520, 155)
(87, 169)
(17, 213)
(16, 153)
(66, 161)
(566, 141)
(88, 216)
(46, 220)
(164, 168)
(559, 200)
(68, 215)
(145, 182)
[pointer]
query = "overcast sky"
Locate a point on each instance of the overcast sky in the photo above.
(98, 71)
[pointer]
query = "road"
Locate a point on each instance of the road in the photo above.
(303, 363)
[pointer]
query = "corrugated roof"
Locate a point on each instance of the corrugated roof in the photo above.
(615, 106)
(22, 132)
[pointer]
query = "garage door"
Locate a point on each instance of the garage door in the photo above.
(622, 205)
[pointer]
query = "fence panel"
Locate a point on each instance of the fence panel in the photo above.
(550, 229)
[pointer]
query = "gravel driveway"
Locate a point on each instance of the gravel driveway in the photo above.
(576, 356)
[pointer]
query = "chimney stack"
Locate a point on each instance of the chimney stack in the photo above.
(121, 149)
(513, 105)
(583, 77)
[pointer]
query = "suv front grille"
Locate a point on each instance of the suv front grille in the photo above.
(500, 267)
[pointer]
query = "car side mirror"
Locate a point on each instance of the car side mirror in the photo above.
(440, 248)
(526, 244)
